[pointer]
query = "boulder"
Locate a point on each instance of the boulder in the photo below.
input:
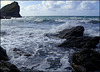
(74, 38)
(10, 10)
(85, 61)
(3, 55)
(81, 42)
(7, 67)
(75, 31)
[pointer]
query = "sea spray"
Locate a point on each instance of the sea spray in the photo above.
(30, 49)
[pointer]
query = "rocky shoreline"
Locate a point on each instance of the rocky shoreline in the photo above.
(86, 59)
(6, 66)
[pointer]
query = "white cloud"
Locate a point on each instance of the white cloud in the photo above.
(61, 7)
(87, 5)
(55, 7)
(52, 5)
(70, 5)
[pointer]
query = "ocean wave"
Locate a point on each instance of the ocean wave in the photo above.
(33, 40)
(35, 20)
(94, 21)
(49, 21)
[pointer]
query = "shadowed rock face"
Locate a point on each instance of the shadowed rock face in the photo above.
(81, 42)
(10, 10)
(74, 38)
(7, 67)
(86, 60)
(3, 55)
(4, 65)
(75, 31)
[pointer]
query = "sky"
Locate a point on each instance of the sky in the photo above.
(57, 8)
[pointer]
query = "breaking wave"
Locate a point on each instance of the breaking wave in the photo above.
(30, 49)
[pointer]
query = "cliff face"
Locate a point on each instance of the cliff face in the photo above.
(10, 10)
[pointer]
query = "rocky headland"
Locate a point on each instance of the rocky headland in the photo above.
(10, 10)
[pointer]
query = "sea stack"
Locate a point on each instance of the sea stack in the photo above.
(10, 10)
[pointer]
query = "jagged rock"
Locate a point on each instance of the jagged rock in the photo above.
(7, 67)
(81, 42)
(86, 60)
(75, 31)
(4, 65)
(3, 55)
(20, 52)
(74, 38)
(10, 10)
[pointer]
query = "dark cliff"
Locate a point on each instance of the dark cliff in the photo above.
(10, 10)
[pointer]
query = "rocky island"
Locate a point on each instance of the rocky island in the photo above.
(10, 10)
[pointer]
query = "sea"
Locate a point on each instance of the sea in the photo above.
(30, 45)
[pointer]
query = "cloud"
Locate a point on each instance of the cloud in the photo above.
(52, 5)
(61, 7)
(56, 7)
(87, 5)
(69, 5)
(49, 5)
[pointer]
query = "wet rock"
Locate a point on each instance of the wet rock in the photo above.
(74, 38)
(75, 31)
(81, 42)
(68, 68)
(4, 65)
(20, 52)
(54, 63)
(7, 67)
(3, 55)
(10, 10)
(94, 21)
(16, 49)
(3, 33)
(86, 60)
(26, 54)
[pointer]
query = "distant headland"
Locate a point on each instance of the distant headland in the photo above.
(10, 10)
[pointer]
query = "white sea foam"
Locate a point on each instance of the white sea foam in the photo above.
(29, 37)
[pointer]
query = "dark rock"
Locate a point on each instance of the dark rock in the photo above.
(16, 49)
(68, 68)
(4, 65)
(10, 10)
(54, 63)
(94, 21)
(81, 42)
(75, 31)
(74, 38)
(7, 67)
(86, 60)
(20, 52)
(3, 33)
(27, 54)
(3, 55)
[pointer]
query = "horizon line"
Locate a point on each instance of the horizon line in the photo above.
(57, 15)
